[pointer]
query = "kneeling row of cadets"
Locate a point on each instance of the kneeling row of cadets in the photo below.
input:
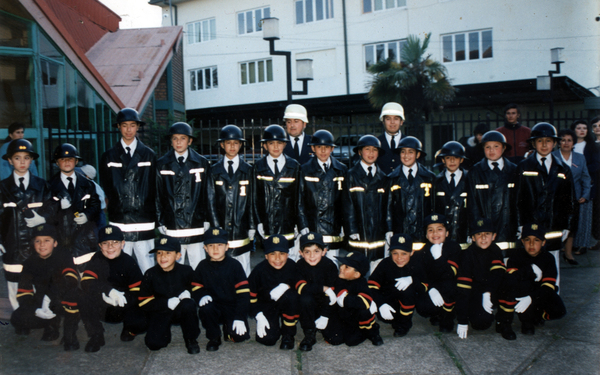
(440, 282)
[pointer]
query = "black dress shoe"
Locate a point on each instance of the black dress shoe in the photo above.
(527, 328)
(507, 332)
(50, 334)
(192, 346)
(95, 343)
(127, 336)
(213, 345)
(287, 342)
(22, 331)
(376, 340)
(400, 332)
(71, 345)
(572, 262)
(309, 340)
(435, 320)
(446, 327)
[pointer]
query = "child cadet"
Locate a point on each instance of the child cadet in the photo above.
(79, 206)
(316, 276)
(230, 196)
(272, 295)
(410, 192)
(479, 281)
(111, 286)
(165, 296)
(297, 147)
(322, 191)
(397, 283)
(392, 118)
(221, 290)
(532, 276)
(48, 290)
(354, 318)
(451, 191)
(545, 192)
(491, 191)
(128, 177)
(25, 202)
(366, 202)
(439, 260)
(181, 200)
(276, 180)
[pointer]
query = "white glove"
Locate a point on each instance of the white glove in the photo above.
(304, 231)
(386, 311)
(35, 220)
(436, 251)
(462, 329)
(340, 299)
(81, 219)
(486, 302)
(355, 237)
(185, 294)
(173, 303)
(205, 300)
(523, 304)
(262, 324)
(565, 234)
(251, 234)
(373, 308)
(118, 297)
(388, 237)
(239, 327)
(402, 283)
(44, 312)
(109, 300)
(321, 322)
(2, 249)
(332, 297)
(46, 303)
(519, 232)
(537, 271)
(278, 291)
(162, 230)
(436, 297)
(261, 230)
(65, 203)
(206, 225)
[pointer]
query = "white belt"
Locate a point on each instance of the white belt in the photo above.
(289, 236)
(552, 235)
(366, 245)
(14, 268)
(184, 232)
(332, 239)
(418, 246)
(136, 227)
(238, 243)
(83, 258)
(506, 245)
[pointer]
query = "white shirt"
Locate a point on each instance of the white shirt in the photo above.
(396, 137)
(280, 162)
(547, 162)
(568, 161)
(300, 142)
(327, 163)
(579, 147)
(25, 181)
(457, 176)
(235, 165)
(414, 168)
(499, 161)
(185, 155)
(132, 146)
(366, 167)
(63, 178)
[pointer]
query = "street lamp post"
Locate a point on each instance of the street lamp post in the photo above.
(304, 71)
(545, 82)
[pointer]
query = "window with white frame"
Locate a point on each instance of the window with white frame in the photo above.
(377, 5)
(202, 31)
(249, 21)
(204, 79)
(258, 71)
(377, 52)
(472, 45)
(313, 10)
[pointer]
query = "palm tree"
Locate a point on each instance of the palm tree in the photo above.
(417, 82)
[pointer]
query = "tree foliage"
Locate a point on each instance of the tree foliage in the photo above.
(417, 82)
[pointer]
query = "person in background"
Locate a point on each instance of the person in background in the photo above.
(90, 173)
(297, 146)
(392, 117)
(16, 130)
(515, 133)
(595, 194)
(473, 150)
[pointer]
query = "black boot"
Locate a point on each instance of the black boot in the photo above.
(287, 342)
(192, 346)
(309, 340)
(374, 336)
(213, 345)
(435, 320)
(506, 331)
(447, 322)
(95, 343)
(51, 331)
(527, 328)
(126, 335)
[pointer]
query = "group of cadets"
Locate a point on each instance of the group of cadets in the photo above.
(445, 246)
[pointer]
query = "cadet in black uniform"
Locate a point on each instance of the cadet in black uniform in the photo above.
(111, 285)
(367, 202)
(230, 190)
(397, 284)
(48, 290)
(451, 191)
(316, 276)
(128, 177)
(166, 297)
(272, 295)
(410, 193)
(79, 206)
(25, 202)
(322, 190)
(532, 278)
(221, 290)
(181, 194)
(276, 180)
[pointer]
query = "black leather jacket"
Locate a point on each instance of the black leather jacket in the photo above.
(181, 200)
(130, 188)
(453, 205)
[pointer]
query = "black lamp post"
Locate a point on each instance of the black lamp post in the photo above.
(556, 59)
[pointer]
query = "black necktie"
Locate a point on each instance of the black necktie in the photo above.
(325, 167)
(180, 160)
(128, 154)
(452, 181)
(296, 150)
(370, 174)
(393, 143)
(410, 176)
(21, 184)
(276, 168)
(71, 187)
(230, 168)
(496, 168)
(544, 169)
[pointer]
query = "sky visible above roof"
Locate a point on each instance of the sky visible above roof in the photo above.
(135, 13)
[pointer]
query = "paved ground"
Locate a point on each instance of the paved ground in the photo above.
(571, 345)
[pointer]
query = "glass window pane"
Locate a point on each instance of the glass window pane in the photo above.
(207, 78)
(403, 44)
(459, 45)
(401, 3)
(380, 52)
(215, 80)
(190, 32)
(299, 12)
(52, 94)
(367, 7)
(309, 11)
(257, 17)
(244, 73)
(249, 23)
(269, 70)
(447, 47)
(200, 80)
(393, 51)
(252, 72)
(330, 9)
(205, 35)
(261, 71)
(266, 12)
(390, 4)
(473, 46)
(198, 31)
(241, 23)
(46, 47)
(319, 9)
(486, 44)
(378, 4)
(369, 56)
(213, 29)
(193, 80)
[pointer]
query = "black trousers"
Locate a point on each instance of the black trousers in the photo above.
(159, 324)
(350, 326)
(311, 308)
(24, 318)
(286, 310)
(213, 314)
(404, 302)
(546, 305)
(94, 310)
(427, 309)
